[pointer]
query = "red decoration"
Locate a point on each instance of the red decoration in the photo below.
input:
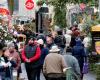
(82, 6)
(4, 11)
(29, 4)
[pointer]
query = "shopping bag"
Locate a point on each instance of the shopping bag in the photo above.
(85, 68)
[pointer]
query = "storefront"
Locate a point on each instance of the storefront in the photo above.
(95, 31)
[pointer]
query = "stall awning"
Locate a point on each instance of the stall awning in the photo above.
(95, 28)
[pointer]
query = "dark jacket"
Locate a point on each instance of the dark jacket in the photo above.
(49, 46)
(41, 36)
(60, 41)
(32, 53)
(73, 42)
(79, 53)
(44, 53)
(78, 49)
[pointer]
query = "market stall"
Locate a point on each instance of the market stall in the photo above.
(95, 31)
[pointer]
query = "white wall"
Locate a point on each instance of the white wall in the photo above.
(4, 4)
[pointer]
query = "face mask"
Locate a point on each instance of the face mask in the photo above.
(31, 44)
(41, 46)
(12, 51)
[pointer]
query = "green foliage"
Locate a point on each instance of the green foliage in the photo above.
(30, 26)
(60, 12)
(95, 68)
(40, 2)
(60, 17)
(88, 23)
(5, 35)
(98, 72)
(11, 6)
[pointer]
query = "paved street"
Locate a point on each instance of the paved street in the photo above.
(88, 76)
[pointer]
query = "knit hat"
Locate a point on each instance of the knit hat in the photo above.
(69, 32)
(40, 41)
(10, 44)
(31, 37)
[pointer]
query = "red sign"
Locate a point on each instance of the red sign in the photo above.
(4, 11)
(29, 4)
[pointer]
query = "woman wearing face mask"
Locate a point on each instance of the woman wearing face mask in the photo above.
(44, 53)
(6, 65)
(15, 56)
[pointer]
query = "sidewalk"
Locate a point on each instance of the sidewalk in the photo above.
(89, 76)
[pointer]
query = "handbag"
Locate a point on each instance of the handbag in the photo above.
(85, 67)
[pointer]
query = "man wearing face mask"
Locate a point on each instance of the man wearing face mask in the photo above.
(31, 55)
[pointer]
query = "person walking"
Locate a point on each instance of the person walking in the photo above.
(60, 41)
(86, 43)
(54, 64)
(68, 37)
(31, 55)
(44, 53)
(49, 42)
(7, 64)
(79, 53)
(72, 62)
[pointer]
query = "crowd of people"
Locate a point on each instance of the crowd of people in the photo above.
(52, 54)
